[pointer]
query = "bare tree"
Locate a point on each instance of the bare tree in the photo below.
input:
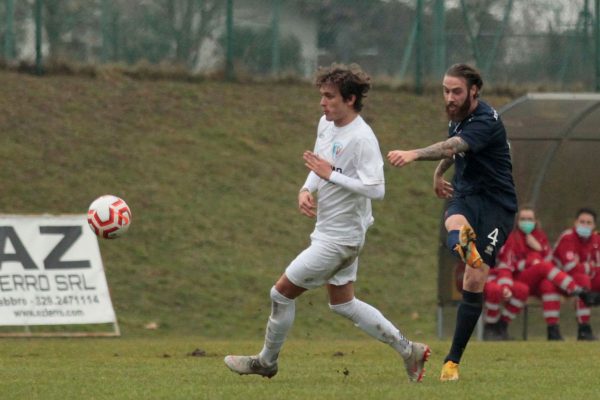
(191, 22)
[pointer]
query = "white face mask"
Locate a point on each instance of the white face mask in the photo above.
(584, 232)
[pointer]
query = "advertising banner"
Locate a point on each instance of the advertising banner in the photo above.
(51, 272)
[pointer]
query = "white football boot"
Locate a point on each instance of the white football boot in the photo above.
(415, 363)
(250, 365)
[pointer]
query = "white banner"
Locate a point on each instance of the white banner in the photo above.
(51, 272)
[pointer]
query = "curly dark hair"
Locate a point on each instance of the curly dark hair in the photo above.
(350, 80)
(469, 73)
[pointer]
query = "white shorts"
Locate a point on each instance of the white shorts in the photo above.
(324, 262)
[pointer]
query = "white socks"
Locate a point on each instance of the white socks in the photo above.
(364, 316)
(370, 320)
(282, 317)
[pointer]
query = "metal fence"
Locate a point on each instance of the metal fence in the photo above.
(552, 43)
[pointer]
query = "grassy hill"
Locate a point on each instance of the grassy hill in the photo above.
(211, 171)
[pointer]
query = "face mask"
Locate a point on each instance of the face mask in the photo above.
(583, 231)
(526, 226)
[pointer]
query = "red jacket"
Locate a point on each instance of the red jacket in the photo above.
(516, 255)
(572, 252)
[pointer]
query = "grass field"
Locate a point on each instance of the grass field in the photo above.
(309, 369)
(211, 171)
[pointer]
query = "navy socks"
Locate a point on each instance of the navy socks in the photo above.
(467, 315)
(452, 240)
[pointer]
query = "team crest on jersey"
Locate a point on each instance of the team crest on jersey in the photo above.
(336, 150)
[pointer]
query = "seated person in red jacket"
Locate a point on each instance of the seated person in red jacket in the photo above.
(526, 258)
(577, 252)
(504, 300)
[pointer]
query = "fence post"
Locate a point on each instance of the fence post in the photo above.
(439, 39)
(597, 34)
(275, 44)
(229, 50)
(497, 38)
(472, 37)
(419, 49)
(105, 18)
(38, 37)
(408, 51)
(587, 20)
(579, 29)
(9, 36)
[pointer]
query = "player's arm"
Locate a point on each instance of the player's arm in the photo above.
(442, 188)
(374, 192)
(437, 151)
(323, 169)
(306, 201)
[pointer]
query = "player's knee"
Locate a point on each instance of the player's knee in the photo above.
(282, 312)
(277, 297)
(345, 309)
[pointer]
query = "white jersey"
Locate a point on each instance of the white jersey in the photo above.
(343, 217)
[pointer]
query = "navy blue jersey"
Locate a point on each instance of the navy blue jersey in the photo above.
(486, 168)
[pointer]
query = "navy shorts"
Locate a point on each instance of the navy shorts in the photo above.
(491, 222)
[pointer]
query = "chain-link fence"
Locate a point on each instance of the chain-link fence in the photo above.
(551, 43)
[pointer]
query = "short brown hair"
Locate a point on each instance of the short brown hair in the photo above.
(350, 80)
(468, 73)
(586, 210)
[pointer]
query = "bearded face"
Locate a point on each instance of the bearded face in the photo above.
(459, 98)
(458, 112)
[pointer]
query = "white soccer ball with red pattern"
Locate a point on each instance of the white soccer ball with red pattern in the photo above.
(109, 216)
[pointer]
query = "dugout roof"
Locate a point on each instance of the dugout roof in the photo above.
(555, 145)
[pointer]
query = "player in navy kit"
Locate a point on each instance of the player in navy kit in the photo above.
(481, 198)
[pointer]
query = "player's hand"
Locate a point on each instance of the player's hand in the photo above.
(317, 164)
(306, 204)
(506, 293)
(400, 158)
(442, 188)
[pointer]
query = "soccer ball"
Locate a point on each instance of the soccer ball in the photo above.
(109, 216)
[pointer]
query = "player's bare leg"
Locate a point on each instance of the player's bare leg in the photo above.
(469, 310)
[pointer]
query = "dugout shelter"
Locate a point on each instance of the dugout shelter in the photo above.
(555, 146)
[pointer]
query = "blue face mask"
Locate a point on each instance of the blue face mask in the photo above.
(583, 231)
(526, 226)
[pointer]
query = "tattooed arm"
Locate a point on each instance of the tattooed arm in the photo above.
(443, 166)
(446, 149)
(442, 188)
(437, 151)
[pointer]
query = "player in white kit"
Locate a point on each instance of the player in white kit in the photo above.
(346, 172)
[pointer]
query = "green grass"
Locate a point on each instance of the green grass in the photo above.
(161, 368)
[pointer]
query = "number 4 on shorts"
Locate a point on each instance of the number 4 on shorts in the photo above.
(493, 236)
